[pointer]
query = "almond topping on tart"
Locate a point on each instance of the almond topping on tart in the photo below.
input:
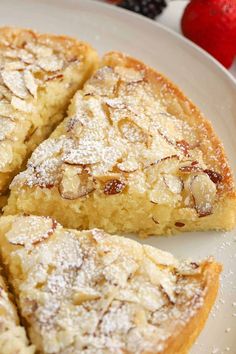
(204, 192)
(75, 183)
(114, 186)
(15, 82)
(131, 131)
(30, 229)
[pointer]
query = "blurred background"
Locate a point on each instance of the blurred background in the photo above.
(211, 24)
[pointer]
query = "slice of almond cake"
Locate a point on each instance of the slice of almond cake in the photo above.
(39, 73)
(13, 338)
(134, 155)
(90, 292)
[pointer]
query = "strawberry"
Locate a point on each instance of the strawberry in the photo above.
(212, 25)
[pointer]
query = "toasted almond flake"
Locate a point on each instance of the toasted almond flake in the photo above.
(26, 57)
(50, 63)
(21, 105)
(39, 50)
(129, 165)
(30, 83)
(85, 294)
(204, 193)
(14, 65)
(15, 82)
(160, 257)
(75, 183)
(161, 194)
(131, 131)
(129, 75)
(174, 183)
(30, 230)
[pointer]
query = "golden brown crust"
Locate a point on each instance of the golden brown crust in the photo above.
(183, 107)
(181, 344)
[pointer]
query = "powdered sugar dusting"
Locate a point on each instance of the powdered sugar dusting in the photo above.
(119, 126)
(88, 292)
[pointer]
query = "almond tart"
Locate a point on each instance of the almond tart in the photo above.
(133, 155)
(90, 292)
(13, 338)
(39, 73)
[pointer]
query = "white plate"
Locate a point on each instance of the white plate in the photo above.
(203, 80)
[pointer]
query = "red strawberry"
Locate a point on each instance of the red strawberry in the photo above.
(212, 25)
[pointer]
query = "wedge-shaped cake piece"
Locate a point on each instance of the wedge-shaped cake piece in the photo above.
(38, 76)
(134, 155)
(90, 292)
(13, 338)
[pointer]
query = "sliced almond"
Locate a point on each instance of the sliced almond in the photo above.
(183, 146)
(103, 82)
(191, 167)
(216, 177)
(189, 268)
(128, 295)
(129, 74)
(114, 103)
(15, 82)
(174, 183)
(131, 131)
(30, 230)
(14, 65)
(160, 257)
(130, 165)
(85, 294)
(25, 56)
(75, 183)
(50, 63)
(39, 50)
(204, 193)
(30, 83)
(161, 277)
(114, 186)
(21, 105)
(166, 165)
(161, 194)
(150, 296)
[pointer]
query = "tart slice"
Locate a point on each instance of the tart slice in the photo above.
(13, 338)
(134, 155)
(39, 74)
(90, 292)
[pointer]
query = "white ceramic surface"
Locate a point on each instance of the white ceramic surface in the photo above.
(211, 87)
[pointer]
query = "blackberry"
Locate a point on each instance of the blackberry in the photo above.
(148, 8)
